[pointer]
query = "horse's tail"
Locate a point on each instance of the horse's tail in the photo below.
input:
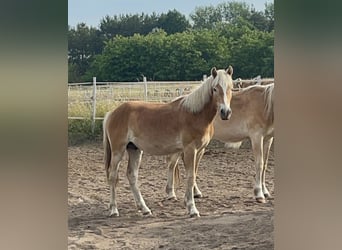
(106, 146)
(269, 102)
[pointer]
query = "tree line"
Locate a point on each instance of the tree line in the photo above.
(172, 47)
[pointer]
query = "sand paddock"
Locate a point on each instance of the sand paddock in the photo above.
(230, 217)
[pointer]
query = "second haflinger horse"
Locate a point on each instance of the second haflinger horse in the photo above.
(253, 118)
(184, 125)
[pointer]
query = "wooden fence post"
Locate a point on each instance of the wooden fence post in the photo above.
(145, 87)
(94, 107)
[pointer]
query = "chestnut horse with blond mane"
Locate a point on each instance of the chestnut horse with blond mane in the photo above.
(184, 125)
(253, 118)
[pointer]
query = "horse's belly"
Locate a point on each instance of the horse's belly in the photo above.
(230, 136)
(158, 147)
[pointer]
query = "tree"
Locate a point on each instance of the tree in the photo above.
(258, 20)
(165, 47)
(253, 55)
(128, 25)
(232, 13)
(130, 58)
(83, 44)
(206, 17)
(269, 14)
(158, 56)
(173, 22)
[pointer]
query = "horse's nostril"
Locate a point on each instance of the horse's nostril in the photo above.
(223, 114)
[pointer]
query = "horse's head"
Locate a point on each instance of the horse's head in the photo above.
(222, 90)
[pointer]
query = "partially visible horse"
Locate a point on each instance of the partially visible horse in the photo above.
(184, 125)
(239, 83)
(253, 117)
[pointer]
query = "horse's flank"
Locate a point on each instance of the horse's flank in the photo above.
(252, 111)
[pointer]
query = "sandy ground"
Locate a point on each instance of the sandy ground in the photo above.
(230, 217)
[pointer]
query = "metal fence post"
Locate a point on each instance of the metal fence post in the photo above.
(94, 106)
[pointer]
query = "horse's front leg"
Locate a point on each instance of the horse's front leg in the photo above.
(257, 145)
(267, 147)
(172, 165)
(189, 162)
(197, 192)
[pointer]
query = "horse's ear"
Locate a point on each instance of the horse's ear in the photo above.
(230, 70)
(213, 72)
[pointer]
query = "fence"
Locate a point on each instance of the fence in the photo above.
(92, 100)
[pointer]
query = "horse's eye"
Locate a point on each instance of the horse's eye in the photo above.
(215, 89)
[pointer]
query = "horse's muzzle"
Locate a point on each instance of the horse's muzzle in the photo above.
(225, 114)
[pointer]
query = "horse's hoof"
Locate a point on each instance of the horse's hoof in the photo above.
(112, 214)
(267, 196)
(147, 213)
(198, 196)
(172, 198)
(194, 215)
(261, 200)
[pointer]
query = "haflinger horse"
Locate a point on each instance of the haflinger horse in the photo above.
(253, 118)
(185, 125)
(239, 83)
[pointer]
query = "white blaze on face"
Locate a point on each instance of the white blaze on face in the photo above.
(225, 105)
(225, 83)
(225, 101)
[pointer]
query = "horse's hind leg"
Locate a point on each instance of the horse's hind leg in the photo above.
(132, 175)
(113, 181)
(267, 147)
(170, 185)
(257, 145)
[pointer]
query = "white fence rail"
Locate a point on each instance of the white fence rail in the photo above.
(88, 100)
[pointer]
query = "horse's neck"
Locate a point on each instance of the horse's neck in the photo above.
(208, 112)
(209, 109)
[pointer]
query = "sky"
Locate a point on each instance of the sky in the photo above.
(92, 11)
